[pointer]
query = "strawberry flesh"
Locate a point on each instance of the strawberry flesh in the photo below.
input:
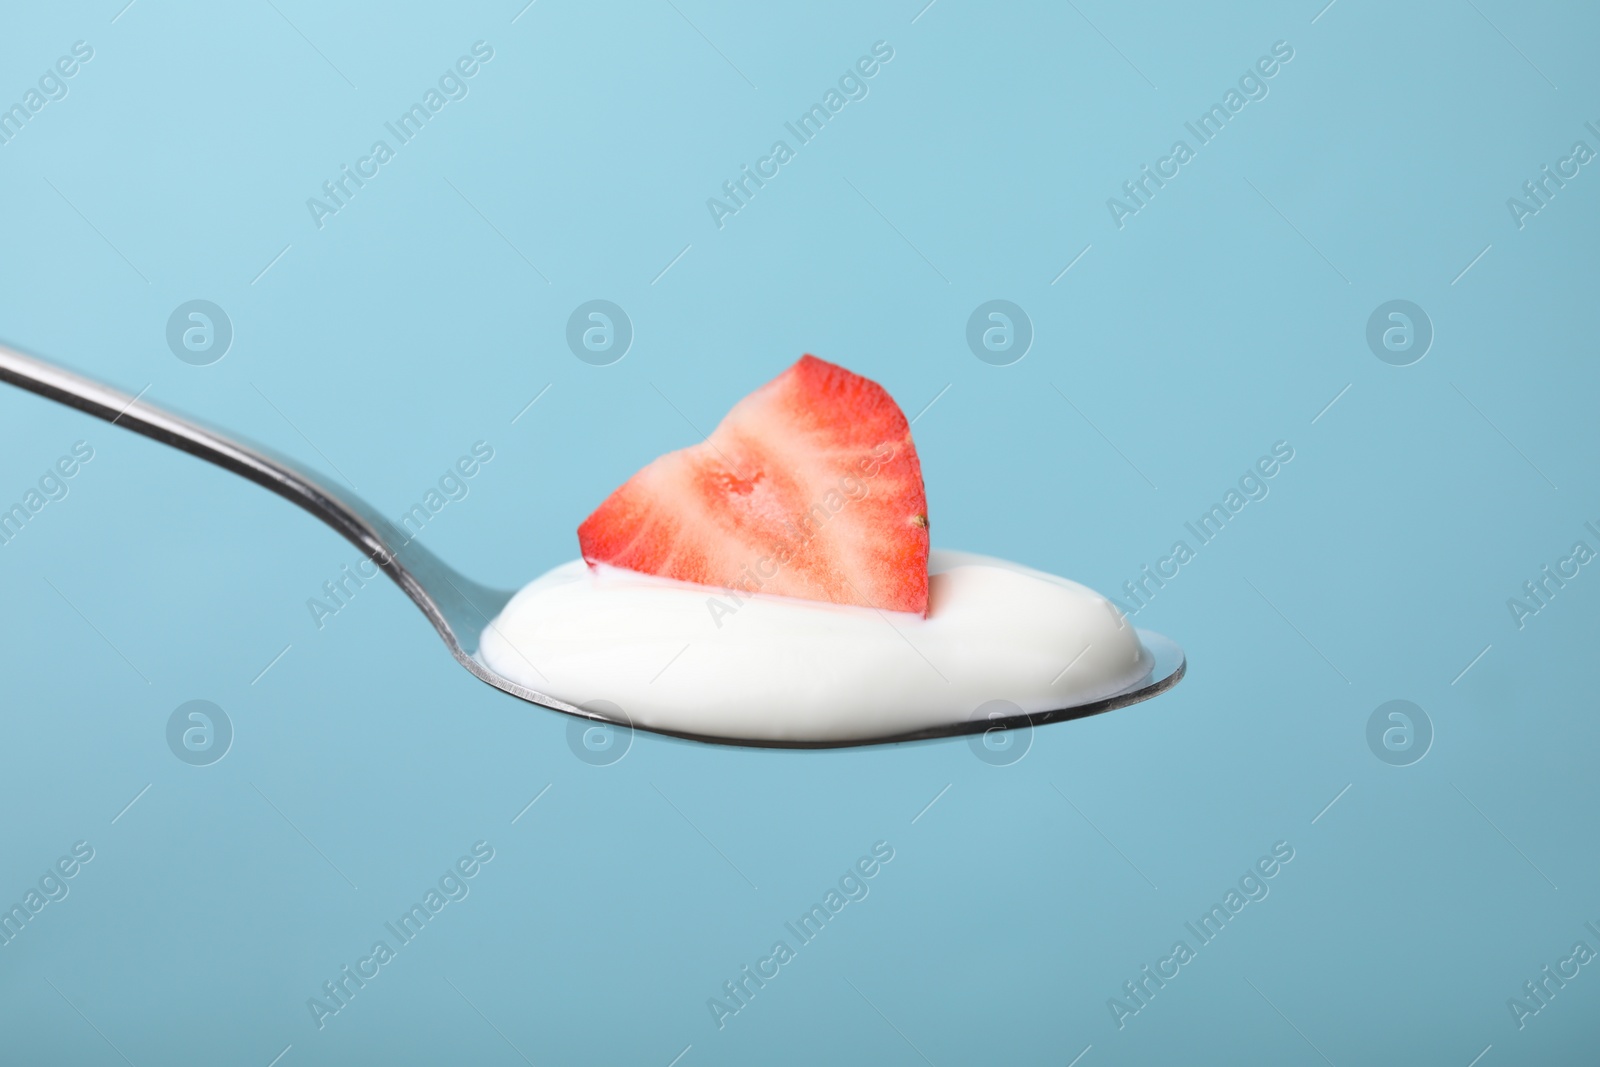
(810, 487)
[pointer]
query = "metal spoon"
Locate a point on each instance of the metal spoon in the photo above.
(459, 608)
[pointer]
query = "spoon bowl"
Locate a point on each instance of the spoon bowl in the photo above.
(460, 609)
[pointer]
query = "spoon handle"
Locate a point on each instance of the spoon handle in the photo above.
(456, 606)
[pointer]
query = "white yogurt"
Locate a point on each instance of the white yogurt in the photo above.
(689, 658)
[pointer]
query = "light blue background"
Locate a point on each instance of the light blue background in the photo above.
(1224, 317)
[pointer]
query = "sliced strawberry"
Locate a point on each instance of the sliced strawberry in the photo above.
(810, 488)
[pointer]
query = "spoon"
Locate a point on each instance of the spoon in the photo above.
(461, 609)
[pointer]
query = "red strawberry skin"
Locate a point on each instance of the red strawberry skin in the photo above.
(810, 487)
